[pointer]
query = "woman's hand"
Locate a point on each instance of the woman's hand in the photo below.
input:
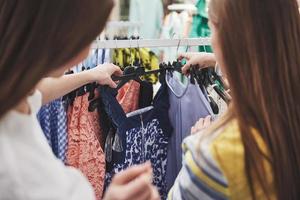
(203, 60)
(134, 183)
(102, 74)
(202, 124)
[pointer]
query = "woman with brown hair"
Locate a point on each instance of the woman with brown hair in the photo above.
(41, 38)
(253, 151)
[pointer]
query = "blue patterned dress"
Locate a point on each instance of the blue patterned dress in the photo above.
(144, 137)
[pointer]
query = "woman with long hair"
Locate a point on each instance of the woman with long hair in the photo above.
(253, 151)
(42, 38)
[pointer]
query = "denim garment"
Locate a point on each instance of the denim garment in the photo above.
(144, 137)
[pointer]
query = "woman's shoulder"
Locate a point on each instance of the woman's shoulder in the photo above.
(218, 158)
(35, 101)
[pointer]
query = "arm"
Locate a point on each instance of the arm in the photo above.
(53, 88)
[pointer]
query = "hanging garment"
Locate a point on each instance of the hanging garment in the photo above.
(146, 94)
(139, 10)
(100, 55)
(143, 137)
(84, 151)
(53, 121)
(200, 26)
(174, 27)
(128, 96)
(187, 106)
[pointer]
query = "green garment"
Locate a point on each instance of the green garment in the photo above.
(200, 24)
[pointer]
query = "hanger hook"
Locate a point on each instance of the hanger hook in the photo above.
(188, 46)
(116, 43)
(139, 50)
(131, 61)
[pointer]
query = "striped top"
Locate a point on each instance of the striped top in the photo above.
(214, 168)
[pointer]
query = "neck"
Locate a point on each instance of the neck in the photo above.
(23, 107)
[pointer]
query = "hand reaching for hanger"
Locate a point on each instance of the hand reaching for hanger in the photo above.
(134, 183)
(102, 74)
(203, 60)
(202, 124)
(56, 87)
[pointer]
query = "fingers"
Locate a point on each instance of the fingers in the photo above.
(140, 185)
(154, 193)
(131, 173)
(111, 83)
(183, 56)
(193, 130)
(207, 121)
(117, 71)
(202, 124)
(144, 194)
(186, 67)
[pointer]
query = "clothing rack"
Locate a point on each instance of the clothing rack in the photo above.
(123, 24)
(182, 7)
(151, 43)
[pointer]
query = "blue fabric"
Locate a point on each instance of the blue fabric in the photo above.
(144, 137)
(187, 105)
(53, 121)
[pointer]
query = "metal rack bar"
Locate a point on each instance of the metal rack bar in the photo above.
(150, 43)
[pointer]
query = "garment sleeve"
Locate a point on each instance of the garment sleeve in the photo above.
(200, 177)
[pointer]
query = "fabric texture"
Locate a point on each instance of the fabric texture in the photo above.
(53, 120)
(85, 152)
(144, 137)
(128, 96)
(187, 105)
(216, 170)
(29, 169)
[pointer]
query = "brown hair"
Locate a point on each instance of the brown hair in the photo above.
(260, 42)
(38, 36)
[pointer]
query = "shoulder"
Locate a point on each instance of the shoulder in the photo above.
(35, 101)
(200, 176)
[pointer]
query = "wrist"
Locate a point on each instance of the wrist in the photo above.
(90, 76)
(211, 61)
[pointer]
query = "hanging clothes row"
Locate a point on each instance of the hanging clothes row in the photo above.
(102, 131)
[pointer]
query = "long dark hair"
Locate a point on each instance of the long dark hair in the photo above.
(260, 43)
(38, 36)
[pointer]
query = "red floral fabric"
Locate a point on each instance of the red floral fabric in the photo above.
(84, 149)
(128, 96)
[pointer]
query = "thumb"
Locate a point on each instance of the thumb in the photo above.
(186, 67)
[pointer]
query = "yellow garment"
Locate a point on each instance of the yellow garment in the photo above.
(128, 57)
(214, 167)
(228, 150)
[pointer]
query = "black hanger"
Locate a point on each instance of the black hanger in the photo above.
(134, 73)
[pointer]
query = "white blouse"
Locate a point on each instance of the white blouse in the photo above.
(28, 168)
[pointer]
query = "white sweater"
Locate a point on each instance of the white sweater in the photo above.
(28, 168)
